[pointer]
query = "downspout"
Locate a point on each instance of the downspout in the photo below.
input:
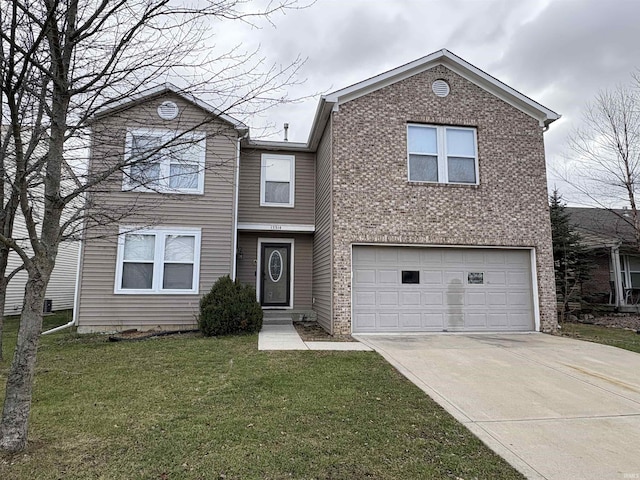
(234, 252)
(76, 299)
(617, 274)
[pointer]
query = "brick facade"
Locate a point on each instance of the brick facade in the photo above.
(374, 202)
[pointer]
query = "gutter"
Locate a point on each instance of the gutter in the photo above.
(234, 251)
(76, 297)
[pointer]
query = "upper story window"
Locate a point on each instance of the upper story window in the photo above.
(442, 154)
(153, 261)
(164, 161)
(277, 178)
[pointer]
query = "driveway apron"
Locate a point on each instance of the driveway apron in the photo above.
(555, 408)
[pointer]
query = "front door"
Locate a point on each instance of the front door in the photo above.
(275, 270)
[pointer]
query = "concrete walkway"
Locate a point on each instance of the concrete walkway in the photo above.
(555, 408)
(285, 337)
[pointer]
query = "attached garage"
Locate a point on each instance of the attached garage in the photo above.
(436, 289)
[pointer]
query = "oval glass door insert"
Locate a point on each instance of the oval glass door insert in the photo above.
(275, 266)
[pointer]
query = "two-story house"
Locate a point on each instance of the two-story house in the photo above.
(419, 203)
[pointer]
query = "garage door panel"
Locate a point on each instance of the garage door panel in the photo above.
(476, 320)
(517, 278)
(365, 321)
(453, 277)
(410, 320)
(430, 256)
(452, 256)
(432, 298)
(476, 299)
(496, 299)
(431, 277)
(519, 299)
(493, 277)
(433, 321)
(389, 320)
(497, 320)
(365, 276)
(388, 277)
(387, 299)
(364, 299)
(443, 300)
(410, 298)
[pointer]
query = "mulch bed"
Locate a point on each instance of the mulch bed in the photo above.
(135, 335)
(312, 332)
(619, 320)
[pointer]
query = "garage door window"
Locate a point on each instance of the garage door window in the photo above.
(410, 276)
(440, 154)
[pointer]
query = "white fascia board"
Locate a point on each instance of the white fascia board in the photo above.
(463, 68)
(276, 227)
(278, 145)
(169, 87)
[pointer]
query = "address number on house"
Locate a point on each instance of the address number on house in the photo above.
(276, 227)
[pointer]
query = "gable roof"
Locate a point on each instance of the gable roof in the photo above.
(161, 90)
(602, 227)
(442, 57)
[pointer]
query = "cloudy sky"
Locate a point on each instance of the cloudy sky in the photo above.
(558, 52)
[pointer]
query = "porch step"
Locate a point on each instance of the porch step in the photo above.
(276, 318)
(277, 321)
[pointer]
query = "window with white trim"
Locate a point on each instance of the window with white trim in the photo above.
(277, 178)
(442, 154)
(164, 161)
(153, 261)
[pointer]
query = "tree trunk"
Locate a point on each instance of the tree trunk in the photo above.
(3, 298)
(17, 402)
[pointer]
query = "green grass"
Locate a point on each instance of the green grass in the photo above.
(617, 337)
(192, 407)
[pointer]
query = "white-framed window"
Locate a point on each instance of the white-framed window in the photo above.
(277, 180)
(442, 154)
(158, 261)
(164, 161)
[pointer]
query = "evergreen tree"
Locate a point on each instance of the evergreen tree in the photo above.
(572, 261)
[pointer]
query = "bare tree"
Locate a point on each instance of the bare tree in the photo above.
(604, 163)
(64, 61)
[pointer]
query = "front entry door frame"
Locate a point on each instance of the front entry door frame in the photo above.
(259, 270)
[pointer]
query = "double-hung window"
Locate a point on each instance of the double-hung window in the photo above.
(442, 154)
(277, 180)
(158, 261)
(164, 161)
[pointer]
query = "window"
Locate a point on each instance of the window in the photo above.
(410, 276)
(277, 180)
(164, 161)
(442, 154)
(158, 261)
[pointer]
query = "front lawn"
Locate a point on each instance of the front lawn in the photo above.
(192, 407)
(617, 337)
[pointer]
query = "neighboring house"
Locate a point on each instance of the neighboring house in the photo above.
(609, 234)
(419, 203)
(61, 288)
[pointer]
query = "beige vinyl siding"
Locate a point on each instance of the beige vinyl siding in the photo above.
(62, 283)
(322, 277)
(302, 263)
(100, 308)
(249, 209)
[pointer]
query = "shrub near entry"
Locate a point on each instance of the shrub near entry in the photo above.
(230, 307)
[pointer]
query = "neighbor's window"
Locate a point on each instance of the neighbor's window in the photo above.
(158, 261)
(442, 154)
(277, 180)
(164, 161)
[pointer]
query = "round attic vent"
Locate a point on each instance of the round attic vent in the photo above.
(168, 110)
(440, 88)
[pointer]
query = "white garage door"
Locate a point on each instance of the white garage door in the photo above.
(411, 289)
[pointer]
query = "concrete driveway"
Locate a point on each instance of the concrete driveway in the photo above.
(555, 408)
